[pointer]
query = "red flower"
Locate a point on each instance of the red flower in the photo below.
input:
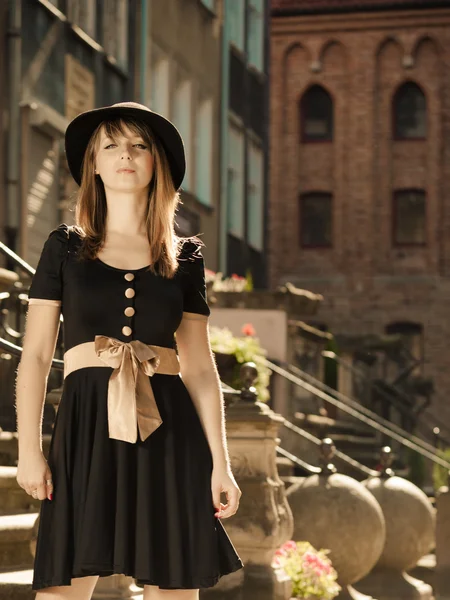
(248, 329)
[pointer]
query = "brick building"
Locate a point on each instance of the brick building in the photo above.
(360, 162)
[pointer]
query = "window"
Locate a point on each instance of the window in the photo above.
(410, 112)
(316, 115)
(316, 220)
(409, 218)
(160, 87)
(235, 183)
(83, 14)
(256, 34)
(182, 118)
(236, 18)
(255, 196)
(115, 30)
(204, 151)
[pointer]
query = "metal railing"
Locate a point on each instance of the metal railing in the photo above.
(318, 442)
(359, 412)
(391, 399)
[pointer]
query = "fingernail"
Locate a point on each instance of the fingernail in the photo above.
(51, 496)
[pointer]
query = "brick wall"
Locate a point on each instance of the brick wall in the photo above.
(361, 59)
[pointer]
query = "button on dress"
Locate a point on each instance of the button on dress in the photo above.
(143, 509)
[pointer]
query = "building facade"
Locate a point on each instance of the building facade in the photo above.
(182, 82)
(63, 57)
(245, 135)
(360, 153)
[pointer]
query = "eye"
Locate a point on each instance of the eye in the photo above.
(108, 146)
(143, 146)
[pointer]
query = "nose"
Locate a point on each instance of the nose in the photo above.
(125, 153)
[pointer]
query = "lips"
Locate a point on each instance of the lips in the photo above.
(125, 171)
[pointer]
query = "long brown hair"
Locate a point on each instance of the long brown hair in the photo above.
(162, 203)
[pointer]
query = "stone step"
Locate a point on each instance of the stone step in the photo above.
(425, 569)
(13, 499)
(371, 457)
(9, 447)
(285, 466)
(16, 534)
(356, 444)
(16, 585)
(326, 426)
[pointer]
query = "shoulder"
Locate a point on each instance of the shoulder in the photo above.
(191, 249)
(61, 239)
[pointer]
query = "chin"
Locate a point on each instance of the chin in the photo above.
(123, 186)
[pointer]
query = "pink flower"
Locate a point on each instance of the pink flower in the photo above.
(248, 329)
(277, 562)
(314, 562)
(290, 545)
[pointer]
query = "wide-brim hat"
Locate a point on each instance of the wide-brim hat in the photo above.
(81, 128)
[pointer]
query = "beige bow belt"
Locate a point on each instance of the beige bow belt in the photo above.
(131, 402)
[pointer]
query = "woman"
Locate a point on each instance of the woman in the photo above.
(138, 455)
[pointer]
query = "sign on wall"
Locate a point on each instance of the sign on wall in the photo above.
(80, 87)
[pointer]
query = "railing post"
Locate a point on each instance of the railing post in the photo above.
(442, 580)
(410, 529)
(335, 512)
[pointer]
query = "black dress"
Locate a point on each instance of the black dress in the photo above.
(142, 509)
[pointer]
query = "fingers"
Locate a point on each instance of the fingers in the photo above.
(216, 498)
(42, 490)
(49, 485)
(227, 510)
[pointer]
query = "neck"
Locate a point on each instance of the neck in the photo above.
(126, 212)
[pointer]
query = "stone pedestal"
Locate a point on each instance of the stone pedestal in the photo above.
(442, 575)
(389, 583)
(264, 519)
(410, 527)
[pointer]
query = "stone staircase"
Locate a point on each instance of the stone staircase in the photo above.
(351, 437)
(18, 516)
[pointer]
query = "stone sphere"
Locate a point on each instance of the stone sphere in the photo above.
(410, 521)
(338, 513)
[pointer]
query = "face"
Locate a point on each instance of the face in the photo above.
(125, 163)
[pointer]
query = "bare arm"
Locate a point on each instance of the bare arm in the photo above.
(41, 333)
(199, 374)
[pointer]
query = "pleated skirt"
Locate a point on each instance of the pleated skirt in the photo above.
(144, 510)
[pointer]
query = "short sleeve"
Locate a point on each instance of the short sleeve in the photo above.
(195, 303)
(46, 285)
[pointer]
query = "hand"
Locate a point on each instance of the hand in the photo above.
(222, 480)
(33, 473)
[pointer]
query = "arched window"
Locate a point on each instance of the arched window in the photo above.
(316, 115)
(316, 220)
(409, 218)
(410, 112)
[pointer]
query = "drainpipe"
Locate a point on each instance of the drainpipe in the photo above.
(145, 12)
(225, 87)
(14, 53)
